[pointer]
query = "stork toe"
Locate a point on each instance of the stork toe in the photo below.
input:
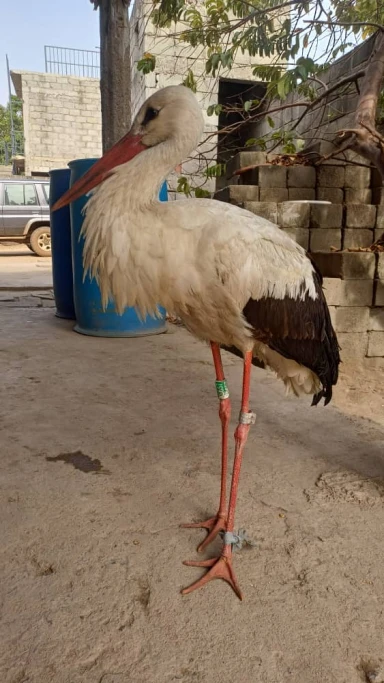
(218, 568)
(214, 526)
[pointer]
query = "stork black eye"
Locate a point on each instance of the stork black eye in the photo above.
(150, 114)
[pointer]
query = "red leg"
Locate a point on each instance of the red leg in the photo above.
(218, 523)
(221, 568)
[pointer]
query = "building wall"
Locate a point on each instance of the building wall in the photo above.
(173, 59)
(319, 126)
(62, 118)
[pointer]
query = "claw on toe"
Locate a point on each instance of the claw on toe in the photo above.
(218, 568)
(214, 525)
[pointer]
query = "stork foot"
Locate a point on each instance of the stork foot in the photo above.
(218, 568)
(214, 526)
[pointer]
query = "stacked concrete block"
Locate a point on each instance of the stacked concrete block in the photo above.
(377, 187)
(300, 235)
(347, 265)
(301, 181)
(244, 160)
(271, 180)
(379, 227)
(348, 300)
(266, 210)
(344, 184)
(376, 333)
(330, 183)
(357, 185)
(329, 194)
(293, 218)
(325, 222)
(360, 220)
(296, 194)
(238, 194)
(379, 291)
(273, 194)
(351, 284)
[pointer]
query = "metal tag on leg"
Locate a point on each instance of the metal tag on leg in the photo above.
(247, 418)
(237, 540)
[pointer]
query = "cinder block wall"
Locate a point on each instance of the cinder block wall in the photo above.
(319, 126)
(62, 118)
(354, 287)
(353, 280)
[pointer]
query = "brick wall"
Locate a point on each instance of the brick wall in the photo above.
(62, 118)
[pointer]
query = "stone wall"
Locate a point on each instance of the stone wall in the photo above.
(62, 118)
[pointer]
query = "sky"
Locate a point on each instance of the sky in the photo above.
(28, 25)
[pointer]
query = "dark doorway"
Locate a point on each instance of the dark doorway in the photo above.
(234, 92)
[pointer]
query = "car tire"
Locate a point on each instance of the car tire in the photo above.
(40, 241)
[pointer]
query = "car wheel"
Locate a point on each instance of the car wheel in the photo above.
(40, 241)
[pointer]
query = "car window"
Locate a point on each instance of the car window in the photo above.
(14, 195)
(30, 197)
(20, 195)
(46, 192)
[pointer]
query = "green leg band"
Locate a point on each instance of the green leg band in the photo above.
(222, 389)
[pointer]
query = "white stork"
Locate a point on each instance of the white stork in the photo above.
(235, 279)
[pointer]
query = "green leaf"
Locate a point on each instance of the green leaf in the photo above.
(289, 148)
(200, 193)
(215, 171)
(302, 72)
(247, 105)
(281, 88)
(147, 63)
(189, 81)
(183, 186)
(256, 142)
(271, 122)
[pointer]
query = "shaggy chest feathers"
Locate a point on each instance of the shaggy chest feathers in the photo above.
(201, 260)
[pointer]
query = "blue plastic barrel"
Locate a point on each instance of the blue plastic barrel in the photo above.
(91, 318)
(61, 246)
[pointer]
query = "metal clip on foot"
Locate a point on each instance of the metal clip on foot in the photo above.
(247, 418)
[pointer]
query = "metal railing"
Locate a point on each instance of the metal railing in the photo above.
(67, 61)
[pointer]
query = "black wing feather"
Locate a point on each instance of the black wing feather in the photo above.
(301, 330)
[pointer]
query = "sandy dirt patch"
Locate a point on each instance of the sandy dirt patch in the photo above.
(106, 446)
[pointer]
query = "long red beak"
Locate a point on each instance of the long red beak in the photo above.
(124, 150)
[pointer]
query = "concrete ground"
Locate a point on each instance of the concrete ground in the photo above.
(21, 269)
(107, 445)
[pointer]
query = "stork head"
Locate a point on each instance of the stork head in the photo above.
(171, 115)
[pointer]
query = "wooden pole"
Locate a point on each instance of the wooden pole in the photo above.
(115, 69)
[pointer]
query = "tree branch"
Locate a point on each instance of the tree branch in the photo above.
(331, 23)
(329, 91)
